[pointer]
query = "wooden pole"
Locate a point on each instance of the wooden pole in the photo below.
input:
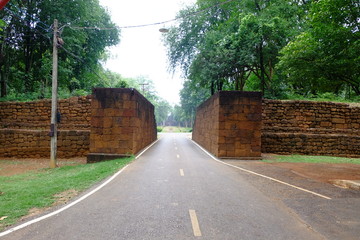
(53, 126)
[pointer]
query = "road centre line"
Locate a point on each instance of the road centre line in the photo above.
(182, 172)
(195, 223)
(177, 155)
(261, 175)
(74, 202)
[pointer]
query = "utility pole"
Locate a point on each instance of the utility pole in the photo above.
(53, 126)
(143, 86)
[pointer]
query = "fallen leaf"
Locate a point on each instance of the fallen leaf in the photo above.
(2, 218)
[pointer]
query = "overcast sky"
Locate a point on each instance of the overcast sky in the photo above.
(141, 52)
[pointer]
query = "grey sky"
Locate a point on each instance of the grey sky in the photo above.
(141, 52)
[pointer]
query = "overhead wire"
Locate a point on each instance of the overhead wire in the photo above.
(37, 21)
(81, 60)
(67, 51)
(153, 24)
(25, 24)
(47, 28)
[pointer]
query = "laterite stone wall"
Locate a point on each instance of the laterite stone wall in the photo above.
(233, 125)
(22, 143)
(75, 114)
(122, 123)
(313, 128)
(24, 128)
(229, 125)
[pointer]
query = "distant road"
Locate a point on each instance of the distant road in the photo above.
(173, 191)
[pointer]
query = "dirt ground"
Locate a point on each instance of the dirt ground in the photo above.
(322, 172)
(13, 166)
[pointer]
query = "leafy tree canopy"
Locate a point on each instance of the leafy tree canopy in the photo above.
(325, 57)
(26, 44)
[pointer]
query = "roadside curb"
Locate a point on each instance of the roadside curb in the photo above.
(351, 184)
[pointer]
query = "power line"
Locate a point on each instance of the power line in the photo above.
(27, 15)
(45, 27)
(153, 24)
(81, 60)
(25, 24)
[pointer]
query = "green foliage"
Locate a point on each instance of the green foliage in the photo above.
(26, 45)
(191, 96)
(312, 159)
(159, 129)
(325, 57)
(176, 129)
(283, 48)
(222, 45)
(37, 189)
(147, 88)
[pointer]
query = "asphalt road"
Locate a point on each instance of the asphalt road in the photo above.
(174, 191)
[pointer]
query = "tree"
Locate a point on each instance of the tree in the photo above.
(191, 96)
(147, 87)
(25, 43)
(325, 57)
(221, 45)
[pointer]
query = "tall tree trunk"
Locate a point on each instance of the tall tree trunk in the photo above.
(2, 75)
(3, 84)
(262, 68)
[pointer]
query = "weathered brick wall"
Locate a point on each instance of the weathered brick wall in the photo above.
(229, 125)
(306, 127)
(206, 125)
(24, 128)
(75, 114)
(122, 123)
(36, 143)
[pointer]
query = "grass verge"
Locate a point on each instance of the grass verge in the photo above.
(174, 129)
(39, 189)
(311, 159)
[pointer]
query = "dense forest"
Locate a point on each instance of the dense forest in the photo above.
(26, 46)
(287, 49)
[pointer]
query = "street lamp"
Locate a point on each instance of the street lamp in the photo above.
(163, 30)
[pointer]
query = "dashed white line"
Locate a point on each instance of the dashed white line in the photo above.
(195, 223)
(177, 155)
(182, 172)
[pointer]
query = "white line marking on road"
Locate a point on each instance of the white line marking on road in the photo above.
(177, 155)
(64, 208)
(139, 155)
(74, 202)
(195, 223)
(261, 175)
(176, 148)
(182, 172)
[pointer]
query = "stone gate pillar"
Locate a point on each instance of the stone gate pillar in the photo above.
(229, 125)
(122, 123)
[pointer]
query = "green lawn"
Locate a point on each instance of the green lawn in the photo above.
(37, 189)
(311, 159)
(175, 129)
